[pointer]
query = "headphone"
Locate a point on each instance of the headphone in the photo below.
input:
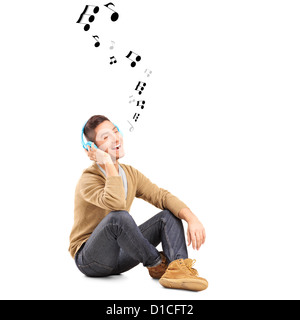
(89, 143)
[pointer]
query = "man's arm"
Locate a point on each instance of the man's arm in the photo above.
(196, 232)
(158, 197)
(163, 199)
(109, 195)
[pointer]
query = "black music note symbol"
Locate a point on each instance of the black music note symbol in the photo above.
(141, 103)
(137, 59)
(142, 86)
(136, 116)
(97, 44)
(87, 17)
(115, 15)
(113, 60)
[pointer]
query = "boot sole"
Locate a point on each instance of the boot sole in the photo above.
(185, 284)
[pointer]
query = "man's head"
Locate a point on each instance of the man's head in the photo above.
(105, 135)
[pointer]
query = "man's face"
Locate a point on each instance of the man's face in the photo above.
(109, 139)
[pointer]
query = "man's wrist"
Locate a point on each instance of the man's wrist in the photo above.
(107, 160)
(186, 214)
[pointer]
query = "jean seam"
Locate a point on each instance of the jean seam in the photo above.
(160, 220)
(152, 224)
(95, 263)
(130, 240)
(171, 250)
(117, 268)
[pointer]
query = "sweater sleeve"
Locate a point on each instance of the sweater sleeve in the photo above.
(158, 197)
(108, 194)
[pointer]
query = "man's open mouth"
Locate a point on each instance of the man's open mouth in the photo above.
(117, 147)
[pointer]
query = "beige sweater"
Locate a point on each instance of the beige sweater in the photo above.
(97, 195)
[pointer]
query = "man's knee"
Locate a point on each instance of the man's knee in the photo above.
(167, 215)
(120, 216)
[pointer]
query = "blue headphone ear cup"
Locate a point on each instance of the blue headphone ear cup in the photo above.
(119, 130)
(90, 143)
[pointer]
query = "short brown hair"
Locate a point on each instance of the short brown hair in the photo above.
(91, 125)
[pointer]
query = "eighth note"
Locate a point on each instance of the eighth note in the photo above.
(141, 103)
(136, 116)
(87, 17)
(131, 128)
(113, 60)
(115, 15)
(142, 86)
(137, 59)
(97, 44)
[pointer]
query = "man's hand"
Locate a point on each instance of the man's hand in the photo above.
(98, 155)
(196, 233)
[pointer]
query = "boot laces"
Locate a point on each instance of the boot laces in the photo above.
(189, 264)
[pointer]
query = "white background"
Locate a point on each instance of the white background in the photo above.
(220, 130)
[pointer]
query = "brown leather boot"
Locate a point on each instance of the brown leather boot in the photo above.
(181, 275)
(158, 271)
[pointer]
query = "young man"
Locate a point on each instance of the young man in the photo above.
(105, 239)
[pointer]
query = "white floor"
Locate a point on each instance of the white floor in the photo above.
(241, 279)
(47, 280)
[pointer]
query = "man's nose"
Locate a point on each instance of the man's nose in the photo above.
(114, 138)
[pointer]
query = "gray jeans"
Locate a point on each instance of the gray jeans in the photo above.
(117, 244)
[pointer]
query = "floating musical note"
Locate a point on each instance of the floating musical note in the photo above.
(87, 17)
(115, 16)
(97, 44)
(136, 116)
(131, 128)
(137, 58)
(141, 103)
(113, 60)
(149, 72)
(130, 101)
(112, 45)
(140, 87)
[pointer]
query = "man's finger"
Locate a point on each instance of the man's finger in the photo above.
(199, 240)
(204, 235)
(194, 241)
(188, 238)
